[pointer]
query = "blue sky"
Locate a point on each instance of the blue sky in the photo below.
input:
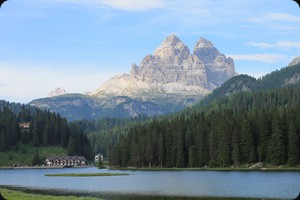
(79, 44)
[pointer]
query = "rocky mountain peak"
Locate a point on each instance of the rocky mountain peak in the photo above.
(204, 43)
(172, 47)
(58, 91)
(205, 51)
(295, 61)
(172, 40)
(219, 68)
(172, 71)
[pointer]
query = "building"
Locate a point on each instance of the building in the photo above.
(98, 157)
(24, 125)
(65, 161)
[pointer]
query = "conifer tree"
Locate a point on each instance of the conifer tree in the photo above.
(263, 136)
(277, 154)
(2, 141)
(36, 158)
(293, 145)
(247, 142)
(180, 162)
(161, 150)
(192, 157)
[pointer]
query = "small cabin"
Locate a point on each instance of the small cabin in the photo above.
(24, 125)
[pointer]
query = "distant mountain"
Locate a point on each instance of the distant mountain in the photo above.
(167, 81)
(58, 91)
(79, 106)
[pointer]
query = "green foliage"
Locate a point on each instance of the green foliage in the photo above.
(238, 130)
(279, 78)
(293, 145)
(19, 195)
(46, 129)
(277, 148)
(100, 164)
(36, 158)
(24, 154)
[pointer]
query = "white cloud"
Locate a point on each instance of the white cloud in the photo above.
(266, 58)
(267, 17)
(131, 5)
(279, 45)
(127, 5)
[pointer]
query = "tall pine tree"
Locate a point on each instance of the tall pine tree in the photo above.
(293, 145)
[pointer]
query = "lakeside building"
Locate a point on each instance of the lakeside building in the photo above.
(65, 161)
(99, 157)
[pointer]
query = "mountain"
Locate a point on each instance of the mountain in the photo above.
(79, 106)
(172, 74)
(58, 91)
(167, 81)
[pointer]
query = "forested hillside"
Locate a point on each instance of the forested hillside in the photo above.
(45, 129)
(242, 83)
(247, 127)
(104, 133)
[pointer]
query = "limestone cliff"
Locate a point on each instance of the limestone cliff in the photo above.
(172, 72)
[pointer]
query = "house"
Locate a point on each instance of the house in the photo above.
(65, 161)
(98, 157)
(24, 125)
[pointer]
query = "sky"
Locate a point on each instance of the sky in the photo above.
(79, 44)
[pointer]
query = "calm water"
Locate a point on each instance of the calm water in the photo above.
(281, 185)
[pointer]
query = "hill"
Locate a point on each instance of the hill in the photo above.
(286, 76)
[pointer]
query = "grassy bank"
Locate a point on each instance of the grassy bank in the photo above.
(30, 194)
(22, 154)
(19, 195)
(87, 174)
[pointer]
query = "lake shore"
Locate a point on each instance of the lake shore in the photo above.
(21, 193)
(42, 167)
(210, 169)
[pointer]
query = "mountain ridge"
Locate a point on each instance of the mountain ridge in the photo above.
(167, 81)
(172, 70)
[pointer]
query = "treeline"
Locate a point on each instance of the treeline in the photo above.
(262, 126)
(104, 133)
(45, 129)
(279, 78)
(285, 76)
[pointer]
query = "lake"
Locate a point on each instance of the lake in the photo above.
(280, 185)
